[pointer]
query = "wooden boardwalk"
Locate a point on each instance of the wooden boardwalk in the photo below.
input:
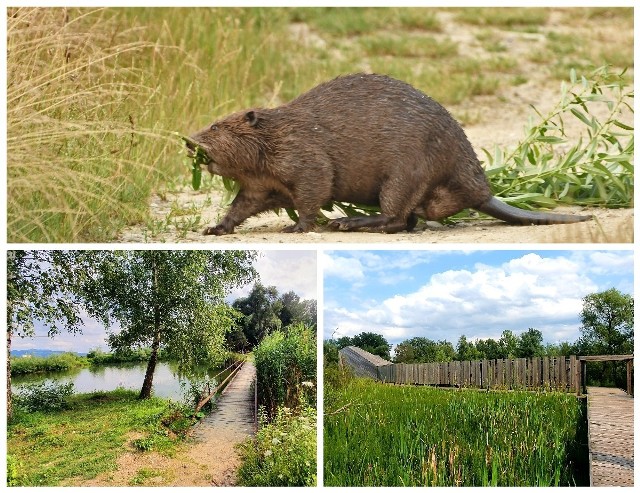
(610, 414)
(233, 410)
(231, 422)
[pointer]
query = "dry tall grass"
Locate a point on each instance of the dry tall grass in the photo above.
(94, 97)
(72, 137)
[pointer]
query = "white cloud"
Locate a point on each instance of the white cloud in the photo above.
(289, 270)
(610, 262)
(530, 291)
(349, 269)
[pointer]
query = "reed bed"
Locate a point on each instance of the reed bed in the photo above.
(383, 435)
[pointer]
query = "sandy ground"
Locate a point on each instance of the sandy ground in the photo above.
(499, 120)
(607, 226)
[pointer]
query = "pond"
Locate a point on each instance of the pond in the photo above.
(167, 381)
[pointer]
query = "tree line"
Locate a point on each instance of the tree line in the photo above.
(606, 328)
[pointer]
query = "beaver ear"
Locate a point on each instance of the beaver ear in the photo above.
(252, 118)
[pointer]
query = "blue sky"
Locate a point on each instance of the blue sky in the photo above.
(286, 270)
(446, 294)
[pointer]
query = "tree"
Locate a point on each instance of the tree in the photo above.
(423, 350)
(169, 300)
(260, 310)
(330, 352)
(344, 341)
(405, 353)
(607, 323)
(607, 328)
(41, 286)
(530, 344)
(296, 311)
(467, 350)
(489, 348)
(236, 340)
(560, 349)
(373, 343)
(508, 345)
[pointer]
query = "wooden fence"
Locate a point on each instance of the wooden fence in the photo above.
(563, 373)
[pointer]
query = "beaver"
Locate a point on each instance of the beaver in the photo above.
(364, 139)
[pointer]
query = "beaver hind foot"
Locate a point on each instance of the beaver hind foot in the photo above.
(380, 223)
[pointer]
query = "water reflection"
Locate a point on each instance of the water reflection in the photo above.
(167, 380)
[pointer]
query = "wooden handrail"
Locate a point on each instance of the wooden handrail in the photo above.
(213, 392)
(607, 357)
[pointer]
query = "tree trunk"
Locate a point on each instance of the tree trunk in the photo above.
(9, 402)
(145, 393)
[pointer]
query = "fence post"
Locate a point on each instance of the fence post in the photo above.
(629, 379)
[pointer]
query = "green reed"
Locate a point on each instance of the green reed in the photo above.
(383, 435)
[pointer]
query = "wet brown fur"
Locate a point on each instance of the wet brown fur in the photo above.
(364, 139)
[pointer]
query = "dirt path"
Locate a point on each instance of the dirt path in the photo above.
(230, 424)
(210, 458)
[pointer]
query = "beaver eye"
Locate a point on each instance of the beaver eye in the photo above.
(214, 127)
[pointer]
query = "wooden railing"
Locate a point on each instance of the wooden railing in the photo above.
(558, 373)
(561, 373)
(220, 386)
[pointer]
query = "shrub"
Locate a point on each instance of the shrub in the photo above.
(13, 475)
(45, 396)
(286, 369)
(283, 453)
(55, 362)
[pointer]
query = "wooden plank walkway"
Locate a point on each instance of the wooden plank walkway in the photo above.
(233, 408)
(231, 422)
(610, 415)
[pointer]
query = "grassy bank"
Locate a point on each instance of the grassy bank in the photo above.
(284, 451)
(93, 96)
(42, 364)
(382, 435)
(68, 361)
(85, 440)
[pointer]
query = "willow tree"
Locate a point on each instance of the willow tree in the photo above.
(170, 300)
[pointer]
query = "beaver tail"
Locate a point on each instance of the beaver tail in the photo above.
(513, 215)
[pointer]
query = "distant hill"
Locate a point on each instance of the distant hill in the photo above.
(42, 353)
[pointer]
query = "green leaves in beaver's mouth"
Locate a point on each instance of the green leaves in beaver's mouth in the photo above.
(232, 188)
(198, 159)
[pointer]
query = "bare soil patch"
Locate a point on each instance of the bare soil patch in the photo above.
(607, 226)
(197, 463)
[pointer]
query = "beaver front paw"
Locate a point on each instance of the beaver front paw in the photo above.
(218, 230)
